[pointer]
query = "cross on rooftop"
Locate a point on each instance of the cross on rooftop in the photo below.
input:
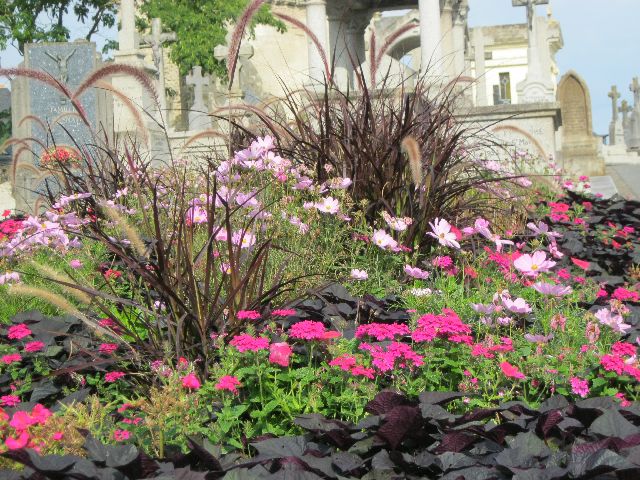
(156, 39)
(530, 4)
(635, 88)
(614, 96)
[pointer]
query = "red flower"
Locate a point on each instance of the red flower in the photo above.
(511, 371)
(580, 263)
(110, 273)
(6, 213)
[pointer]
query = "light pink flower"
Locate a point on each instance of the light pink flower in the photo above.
(75, 264)
(533, 265)
(328, 205)
(615, 322)
(383, 240)
(9, 277)
(519, 305)
(441, 230)
(359, 274)
(551, 289)
(415, 272)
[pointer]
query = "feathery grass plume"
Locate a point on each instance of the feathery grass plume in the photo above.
(236, 37)
(61, 279)
(33, 118)
(412, 149)
(205, 134)
(112, 69)
(126, 101)
(372, 58)
(323, 54)
(22, 166)
(57, 301)
(126, 229)
(388, 41)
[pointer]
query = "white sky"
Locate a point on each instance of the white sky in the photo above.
(602, 43)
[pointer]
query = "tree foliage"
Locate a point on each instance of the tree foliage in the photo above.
(5, 125)
(201, 25)
(32, 21)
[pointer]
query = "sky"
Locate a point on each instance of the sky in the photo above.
(601, 43)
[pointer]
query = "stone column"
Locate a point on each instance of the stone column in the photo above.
(430, 37)
(317, 23)
(480, 73)
(340, 48)
(459, 27)
(128, 36)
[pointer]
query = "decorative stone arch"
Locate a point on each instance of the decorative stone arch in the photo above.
(405, 44)
(511, 129)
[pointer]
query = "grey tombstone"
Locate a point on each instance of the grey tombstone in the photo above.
(198, 113)
(634, 120)
(580, 148)
(48, 118)
(616, 130)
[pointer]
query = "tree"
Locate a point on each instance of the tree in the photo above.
(5, 125)
(201, 25)
(32, 21)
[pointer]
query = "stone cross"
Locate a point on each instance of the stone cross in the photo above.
(530, 4)
(614, 96)
(61, 60)
(625, 108)
(198, 118)
(156, 40)
(635, 88)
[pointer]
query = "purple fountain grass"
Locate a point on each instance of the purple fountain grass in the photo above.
(126, 101)
(388, 41)
(313, 38)
(33, 118)
(236, 37)
(109, 70)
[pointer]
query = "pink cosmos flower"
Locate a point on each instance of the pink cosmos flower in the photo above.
(190, 381)
(383, 240)
(19, 331)
(9, 400)
(246, 342)
(121, 435)
(511, 371)
(280, 353)
(615, 322)
(359, 274)
(9, 277)
(551, 289)
(533, 265)
(243, 239)
(228, 382)
(113, 376)
(328, 205)
(397, 224)
(196, 215)
(481, 226)
(415, 272)
(107, 348)
(442, 231)
(17, 443)
(10, 358)
(579, 387)
(519, 305)
(33, 347)
(543, 229)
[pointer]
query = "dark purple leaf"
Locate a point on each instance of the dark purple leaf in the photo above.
(398, 423)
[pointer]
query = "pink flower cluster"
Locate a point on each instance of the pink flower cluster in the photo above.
(382, 331)
(229, 383)
(248, 315)
(246, 342)
(447, 325)
(394, 355)
(21, 422)
(18, 332)
(311, 330)
(348, 363)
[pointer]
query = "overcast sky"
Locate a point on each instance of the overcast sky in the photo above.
(601, 37)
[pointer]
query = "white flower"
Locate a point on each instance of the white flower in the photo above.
(328, 205)
(442, 231)
(383, 240)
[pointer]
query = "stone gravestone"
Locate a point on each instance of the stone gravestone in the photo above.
(581, 154)
(616, 130)
(634, 120)
(59, 125)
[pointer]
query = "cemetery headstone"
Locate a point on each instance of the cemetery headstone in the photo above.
(198, 117)
(580, 148)
(59, 124)
(616, 130)
(634, 121)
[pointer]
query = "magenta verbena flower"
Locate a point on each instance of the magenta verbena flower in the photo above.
(579, 387)
(246, 342)
(382, 331)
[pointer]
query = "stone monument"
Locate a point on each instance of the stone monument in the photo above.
(616, 130)
(634, 120)
(580, 153)
(538, 85)
(43, 114)
(198, 113)
(625, 109)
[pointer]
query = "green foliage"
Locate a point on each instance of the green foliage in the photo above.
(22, 21)
(5, 125)
(201, 25)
